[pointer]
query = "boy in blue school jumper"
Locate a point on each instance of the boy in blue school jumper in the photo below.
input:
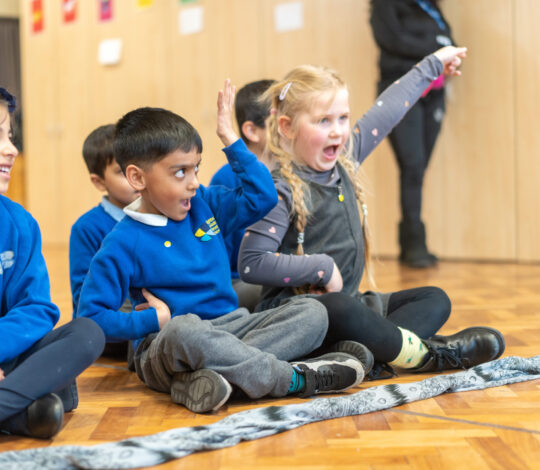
(251, 114)
(191, 339)
(90, 229)
(38, 365)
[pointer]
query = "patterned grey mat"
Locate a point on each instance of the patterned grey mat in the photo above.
(261, 422)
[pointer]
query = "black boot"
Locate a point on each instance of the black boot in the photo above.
(412, 241)
(42, 419)
(462, 350)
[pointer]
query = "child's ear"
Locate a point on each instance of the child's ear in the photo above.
(285, 126)
(98, 182)
(250, 131)
(135, 177)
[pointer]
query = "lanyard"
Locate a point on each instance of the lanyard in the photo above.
(433, 12)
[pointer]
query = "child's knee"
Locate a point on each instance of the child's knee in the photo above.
(441, 300)
(314, 318)
(89, 338)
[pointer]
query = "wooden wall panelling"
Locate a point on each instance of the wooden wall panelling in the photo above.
(470, 195)
(227, 48)
(527, 69)
(40, 93)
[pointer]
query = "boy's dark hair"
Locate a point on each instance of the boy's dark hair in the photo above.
(98, 149)
(248, 106)
(146, 135)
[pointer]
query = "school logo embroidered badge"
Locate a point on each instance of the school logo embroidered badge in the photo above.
(7, 258)
(207, 230)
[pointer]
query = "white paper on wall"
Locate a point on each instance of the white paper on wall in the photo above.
(289, 16)
(110, 51)
(191, 20)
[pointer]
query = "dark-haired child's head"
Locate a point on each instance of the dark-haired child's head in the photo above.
(251, 114)
(105, 173)
(8, 151)
(160, 153)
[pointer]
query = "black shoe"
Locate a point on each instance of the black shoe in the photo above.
(357, 350)
(462, 350)
(381, 371)
(42, 419)
(329, 373)
(412, 240)
(200, 391)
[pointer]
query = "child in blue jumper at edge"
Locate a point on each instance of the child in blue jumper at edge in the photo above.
(38, 365)
(91, 228)
(251, 114)
(191, 339)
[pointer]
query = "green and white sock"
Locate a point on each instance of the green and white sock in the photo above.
(413, 351)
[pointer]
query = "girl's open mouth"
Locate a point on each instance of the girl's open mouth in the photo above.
(331, 152)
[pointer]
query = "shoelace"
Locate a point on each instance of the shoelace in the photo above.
(378, 369)
(450, 355)
(323, 380)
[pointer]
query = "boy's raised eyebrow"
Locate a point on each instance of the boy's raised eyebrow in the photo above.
(186, 165)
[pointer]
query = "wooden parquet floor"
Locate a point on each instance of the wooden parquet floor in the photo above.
(497, 428)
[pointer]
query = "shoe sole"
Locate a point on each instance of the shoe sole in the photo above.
(356, 350)
(200, 391)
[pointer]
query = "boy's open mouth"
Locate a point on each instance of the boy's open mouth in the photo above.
(5, 169)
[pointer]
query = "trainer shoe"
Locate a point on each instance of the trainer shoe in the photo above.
(200, 391)
(357, 350)
(462, 350)
(329, 373)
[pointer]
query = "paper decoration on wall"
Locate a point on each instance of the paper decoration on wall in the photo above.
(289, 16)
(69, 10)
(105, 10)
(144, 3)
(110, 51)
(191, 20)
(37, 16)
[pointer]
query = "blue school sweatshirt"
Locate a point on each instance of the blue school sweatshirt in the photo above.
(26, 311)
(87, 234)
(184, 264)
(225, 176)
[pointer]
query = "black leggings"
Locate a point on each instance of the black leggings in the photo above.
(50, 365)
(423, 310)
(412, 141)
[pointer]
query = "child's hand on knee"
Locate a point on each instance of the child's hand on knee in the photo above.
(2, 374)
(162, 309)
(451, 57)
(335, 284)
(225, 105)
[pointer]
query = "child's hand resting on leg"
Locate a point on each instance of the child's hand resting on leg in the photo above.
(162, 309)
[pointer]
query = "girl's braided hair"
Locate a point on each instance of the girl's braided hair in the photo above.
(293, 95)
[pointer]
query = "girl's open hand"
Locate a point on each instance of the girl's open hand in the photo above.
(225, 110)
(451, 57)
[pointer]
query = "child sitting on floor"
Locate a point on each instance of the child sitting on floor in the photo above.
(191, 339)
(314, 241)
(38, 365)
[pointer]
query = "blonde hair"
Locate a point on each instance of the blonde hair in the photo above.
(293, 95)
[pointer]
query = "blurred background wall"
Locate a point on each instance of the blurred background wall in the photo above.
(482, 193)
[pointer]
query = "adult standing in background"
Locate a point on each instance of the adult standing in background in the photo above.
(406, 31)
